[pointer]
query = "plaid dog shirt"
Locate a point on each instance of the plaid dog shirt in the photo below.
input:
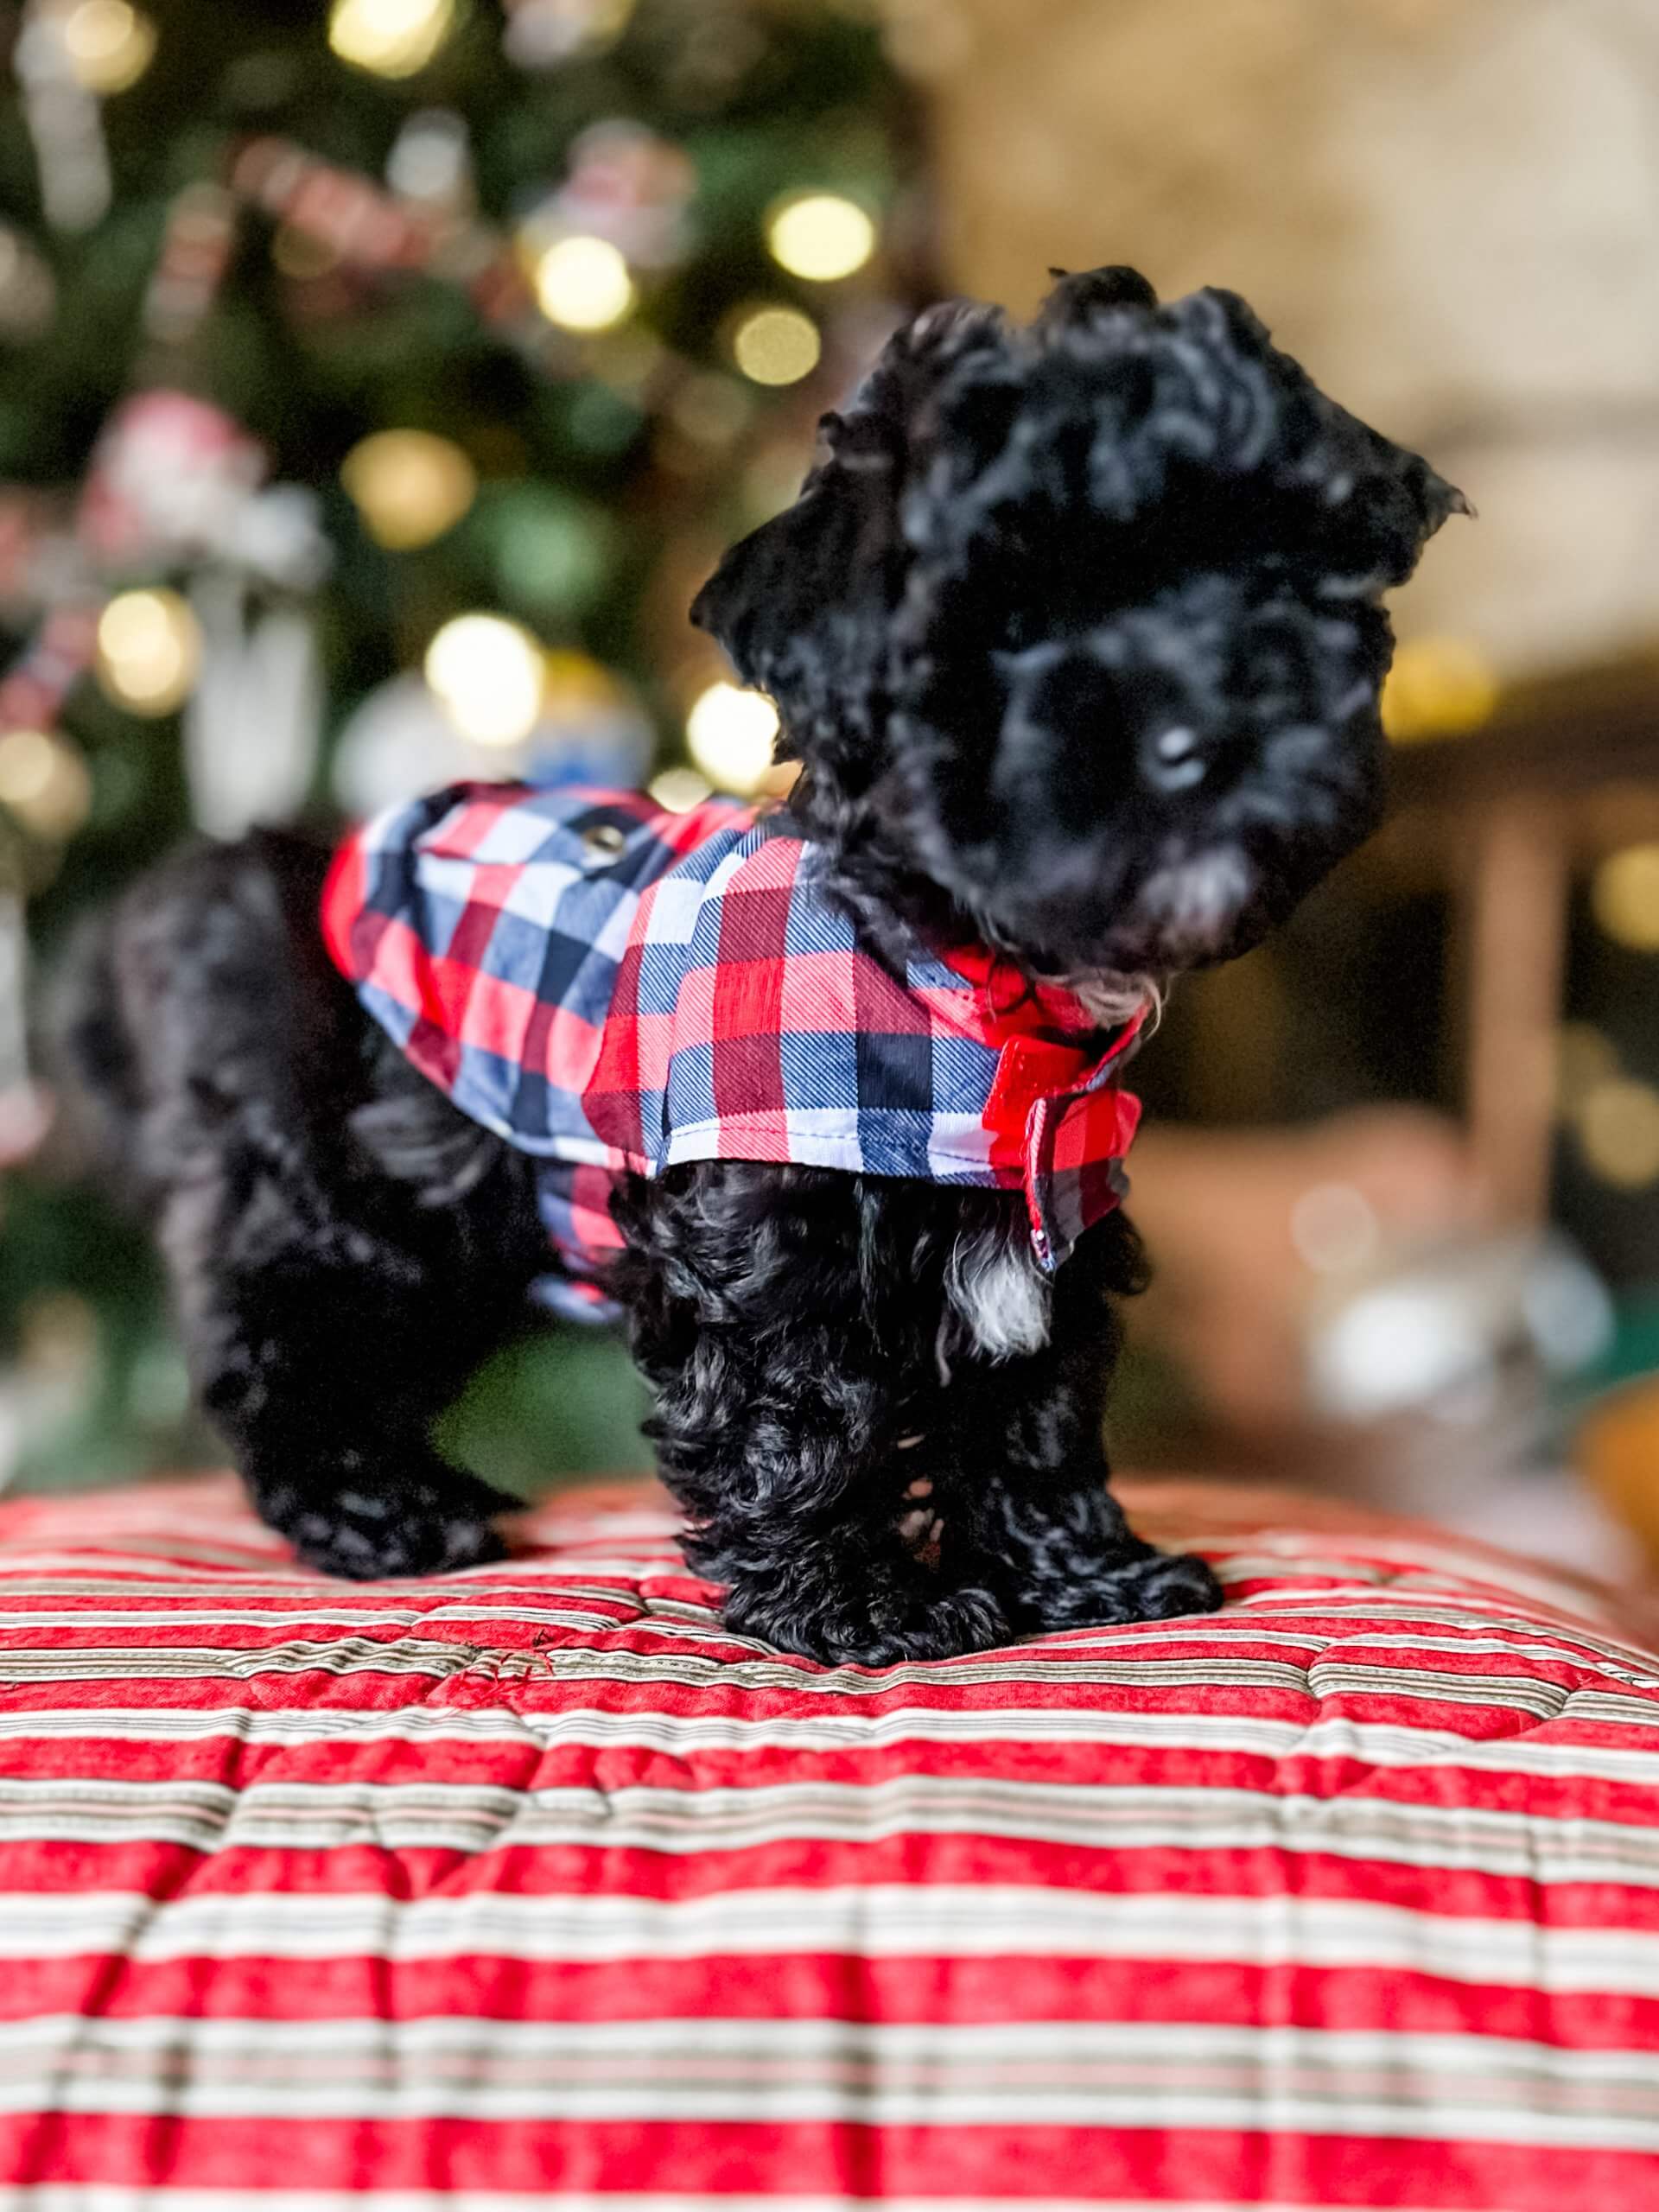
(610, 987)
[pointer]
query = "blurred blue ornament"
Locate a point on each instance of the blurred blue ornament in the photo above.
(400, 741)
(594, 729)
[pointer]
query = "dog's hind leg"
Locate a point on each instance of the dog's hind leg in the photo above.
(340, 1255)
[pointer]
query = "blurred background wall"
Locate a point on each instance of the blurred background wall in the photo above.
(379, 379)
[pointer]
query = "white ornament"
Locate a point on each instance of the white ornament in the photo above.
(400, 742)
(24, 1113)
(253, 724)
(64, 122)
(431, 160)
(278, 536)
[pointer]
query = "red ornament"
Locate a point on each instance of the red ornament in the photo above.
(167, 471)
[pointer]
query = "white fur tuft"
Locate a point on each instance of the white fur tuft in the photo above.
(995, 1285)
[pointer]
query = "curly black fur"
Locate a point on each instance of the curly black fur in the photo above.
(1075, 630)
(1075, 627)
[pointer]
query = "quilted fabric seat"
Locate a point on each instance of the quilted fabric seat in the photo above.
(534, 1884)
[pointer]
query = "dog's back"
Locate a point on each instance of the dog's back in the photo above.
(204, 979)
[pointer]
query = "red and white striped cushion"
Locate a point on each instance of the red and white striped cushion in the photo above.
(533, 1882)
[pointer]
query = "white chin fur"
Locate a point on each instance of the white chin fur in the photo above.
(1116, 999)
(1197, 902)
(995, 1285)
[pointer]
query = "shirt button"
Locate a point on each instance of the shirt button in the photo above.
(601, 843)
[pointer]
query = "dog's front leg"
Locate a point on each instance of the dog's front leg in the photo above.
(789, 1459)
(787, 1387)
(1029, 1511)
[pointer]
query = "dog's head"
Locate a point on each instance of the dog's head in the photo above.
(1075, 628)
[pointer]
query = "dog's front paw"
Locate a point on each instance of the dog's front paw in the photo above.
(425, 1518)
(887, 1629)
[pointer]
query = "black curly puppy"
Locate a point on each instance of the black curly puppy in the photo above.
(1075, 630)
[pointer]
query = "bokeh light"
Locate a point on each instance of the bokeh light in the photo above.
(409, 486)
(1619, 1133)
(488, 673)
(575, 684)
(393, 38)
(730, 733)
(820, 236)
(25, 765)
(775, 346)
(1335, 1229)
(108, 44)
(1625, 898)
(542, 33)
(149, 651)
(44, 781)
(1584, 1058)
(713, 411)
(678, 790)
(583, 283)
(303, 256)
(1438, 687)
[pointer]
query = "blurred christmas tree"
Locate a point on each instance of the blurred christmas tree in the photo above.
(377, 382)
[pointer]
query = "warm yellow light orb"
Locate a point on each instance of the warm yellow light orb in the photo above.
(108, 44)
(1584, 1058)
(1438, 687)
(488, 674)
(44, 781)
(730, 733)
(678, 790)
(303, 256)
(1619, 1133)
(583, 283)
(777, 346)
(149, 651)
(820, 236)
(26, 758)
(393, 38)
(1625, 898)
(575, 684)
(409, 486)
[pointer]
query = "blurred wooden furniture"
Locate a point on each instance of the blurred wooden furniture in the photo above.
(1565, 772)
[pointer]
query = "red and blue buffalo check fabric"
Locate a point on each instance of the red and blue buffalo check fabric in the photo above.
(614, 987)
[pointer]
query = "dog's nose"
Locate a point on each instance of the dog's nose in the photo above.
(1174, 760)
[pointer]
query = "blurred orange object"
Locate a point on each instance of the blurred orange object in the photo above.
(1618, 1451)
(1239, 1224)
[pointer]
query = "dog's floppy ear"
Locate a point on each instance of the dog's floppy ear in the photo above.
(801, 605)
(1380, 511)
(1371, 505)
(1356, 508)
